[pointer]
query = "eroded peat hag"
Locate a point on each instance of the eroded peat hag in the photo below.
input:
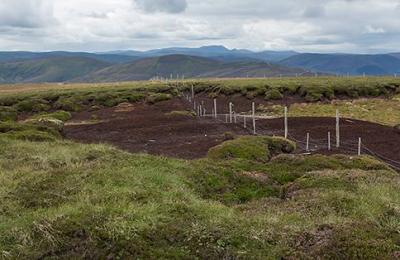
(171, 128)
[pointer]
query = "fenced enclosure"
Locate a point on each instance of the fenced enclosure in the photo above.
(334, 135)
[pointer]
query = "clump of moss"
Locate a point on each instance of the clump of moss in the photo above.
(273, 94)
(33, 105)
(8, 113)
(258, 148)
(68, 104)
(48, 122)
(30, 132)
(158, 97)
(59, 115)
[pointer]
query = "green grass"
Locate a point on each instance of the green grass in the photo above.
(260, 148)
(68, 200)
(383, 111)
(59, 115)
(310, 89)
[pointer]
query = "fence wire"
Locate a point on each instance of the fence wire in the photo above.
(314, 145)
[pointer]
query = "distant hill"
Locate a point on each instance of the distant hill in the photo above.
(396, 55)
(53, 69)
(218, 52)
(189, 66)
(380, 64)
(21, 56)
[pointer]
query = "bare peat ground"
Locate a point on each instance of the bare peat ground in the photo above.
(149, 129)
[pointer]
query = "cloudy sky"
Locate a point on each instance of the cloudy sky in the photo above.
(361, 26)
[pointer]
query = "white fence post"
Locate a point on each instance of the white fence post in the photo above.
(230, 112)
(329, 141)
(308, 142)
(337, 128)
(244, 122)
(286, 123)
(215, 108)
(359, 146)
(254, 117)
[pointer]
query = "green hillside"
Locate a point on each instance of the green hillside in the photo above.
(54, 69)
(189, 66)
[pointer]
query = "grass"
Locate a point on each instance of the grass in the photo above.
(59, 115)
(260, 148)
(68, 200)
(382, 111)
(309, 89)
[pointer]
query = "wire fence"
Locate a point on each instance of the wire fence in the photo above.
(306, 145)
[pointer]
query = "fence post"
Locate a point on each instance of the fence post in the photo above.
(308, 142)
(215, 108)
(329, 141)
(235, 117)
(254, 117)
(226, 118)
(359, 146)
(192, 91)
(286, 122)
(337, 128)
(230, 112)
(244, 121)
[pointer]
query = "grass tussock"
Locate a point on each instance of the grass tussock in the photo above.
(259, 148)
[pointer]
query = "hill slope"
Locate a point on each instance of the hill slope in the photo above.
(216, 52)
(54, 69)
(382, 64)
(189, 66)
(21, 56)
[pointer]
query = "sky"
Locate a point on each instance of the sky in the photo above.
(357, 26)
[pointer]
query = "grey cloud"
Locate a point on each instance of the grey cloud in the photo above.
(314, 11)
(166, 6)
(25, 13)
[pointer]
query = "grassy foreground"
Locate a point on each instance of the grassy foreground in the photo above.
(68, 200)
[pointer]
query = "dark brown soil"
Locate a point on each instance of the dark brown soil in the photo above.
(149, 129)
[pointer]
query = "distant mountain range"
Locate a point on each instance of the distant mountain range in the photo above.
(207, 61)
(380, 64)
(189, 67)
(215, 52)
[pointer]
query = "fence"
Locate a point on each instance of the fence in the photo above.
(307, 145)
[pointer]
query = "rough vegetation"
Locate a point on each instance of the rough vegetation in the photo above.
(250, 198)
(252, 148)
(71, 201)
(309, 89)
